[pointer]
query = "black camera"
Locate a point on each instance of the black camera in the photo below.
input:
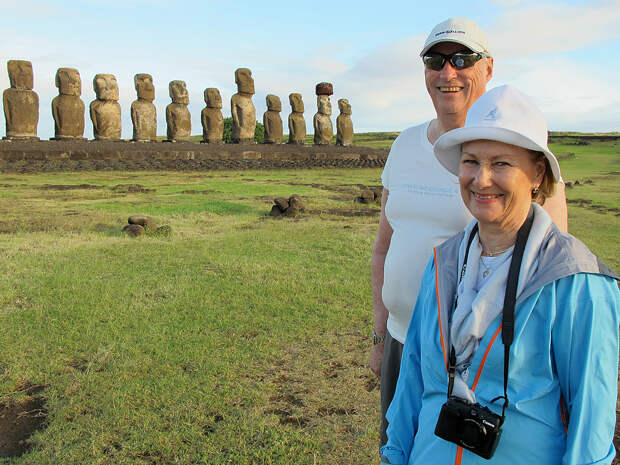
(471, 426)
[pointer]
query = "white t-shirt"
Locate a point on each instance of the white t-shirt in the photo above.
(424, 208)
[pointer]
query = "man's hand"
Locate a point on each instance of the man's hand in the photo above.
(376, 356)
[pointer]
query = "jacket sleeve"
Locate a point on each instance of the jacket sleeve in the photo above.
(585, 347)
(404, 410)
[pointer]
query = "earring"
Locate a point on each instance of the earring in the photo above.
(535, 191)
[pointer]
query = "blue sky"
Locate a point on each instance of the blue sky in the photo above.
(565, 54)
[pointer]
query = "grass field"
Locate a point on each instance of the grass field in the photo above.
(239, 339)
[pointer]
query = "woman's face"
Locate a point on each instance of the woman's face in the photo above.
(496, 181)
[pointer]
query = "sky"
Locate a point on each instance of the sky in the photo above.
(565, 54)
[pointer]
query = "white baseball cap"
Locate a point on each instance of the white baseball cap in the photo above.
(460, 30)
(503, 114)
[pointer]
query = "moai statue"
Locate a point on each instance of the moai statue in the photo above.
(105, 112)
(344, 125)
(143, 112)
(21, 103)
(68, 107)
(212, 119)
(177, 115)
(323, 128)
(242, 108)
(296, 121)
(272, 120)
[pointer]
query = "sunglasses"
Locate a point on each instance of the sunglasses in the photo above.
(458, 60)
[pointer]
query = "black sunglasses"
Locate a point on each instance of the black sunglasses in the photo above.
(459, 60)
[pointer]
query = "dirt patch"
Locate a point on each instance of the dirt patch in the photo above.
(587, 204)
(131, 188)
(68, 187)
(347, 212)
(314, 389)
(19, 420)
(193, 191)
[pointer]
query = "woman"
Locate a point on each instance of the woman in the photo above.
(557, 402)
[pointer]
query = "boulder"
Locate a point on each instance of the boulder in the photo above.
(291, 211)
(133, 230)
(145, 221)
(275, 211)
(296, 202)
(281, 202)
(367, 196)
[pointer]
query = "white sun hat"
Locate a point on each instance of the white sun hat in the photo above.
(503, 114)
(461, 31)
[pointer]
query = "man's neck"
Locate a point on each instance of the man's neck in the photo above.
(443, 124)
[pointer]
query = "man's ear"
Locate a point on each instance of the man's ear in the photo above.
(489, 68)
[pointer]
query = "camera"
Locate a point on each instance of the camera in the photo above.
(472, 426)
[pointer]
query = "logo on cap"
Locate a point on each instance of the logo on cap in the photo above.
(492, 115)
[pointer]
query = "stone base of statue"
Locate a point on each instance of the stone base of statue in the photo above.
(212, 141)
(68, 138)
(143, 140)
(21, 138)
(296, 142)
(244, 141)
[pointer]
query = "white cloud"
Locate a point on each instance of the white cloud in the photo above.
(570, 99)
(548, 28)
(506, 3)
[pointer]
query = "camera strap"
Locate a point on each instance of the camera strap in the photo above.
(508, 312)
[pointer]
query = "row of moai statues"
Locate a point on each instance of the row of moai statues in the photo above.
(21, 109)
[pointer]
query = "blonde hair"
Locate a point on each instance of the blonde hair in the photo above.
(547, 186)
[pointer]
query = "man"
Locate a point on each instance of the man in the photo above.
(421, 205)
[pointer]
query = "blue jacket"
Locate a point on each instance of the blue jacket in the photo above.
(565, 347)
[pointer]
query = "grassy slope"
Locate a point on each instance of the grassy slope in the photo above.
(239, 339)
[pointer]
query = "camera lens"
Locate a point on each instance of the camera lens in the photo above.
(472, 434)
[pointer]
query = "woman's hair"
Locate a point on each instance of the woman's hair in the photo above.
(547, 186)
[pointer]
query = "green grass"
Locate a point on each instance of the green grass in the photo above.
(238, 339)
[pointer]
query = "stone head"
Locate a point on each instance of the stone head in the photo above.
(20, 74)
(297, 104)
(178, 92)
(244, 81)
(106, 87)
(144, 86)
(69, 82)
(344, 107)
(273, 103)
(213, 99)
(323, 104)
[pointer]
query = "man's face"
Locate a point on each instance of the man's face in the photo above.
(454, 91)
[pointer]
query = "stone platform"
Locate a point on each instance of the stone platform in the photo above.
(40, 156)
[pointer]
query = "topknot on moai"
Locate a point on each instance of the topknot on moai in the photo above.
(323, 128)
(242, 108)
(296, 121)
(211, 117)
(105, 111)
(143, 111)
(21, 103)
(272, 120)
(177, 115)
(68, 107)
(344, 124)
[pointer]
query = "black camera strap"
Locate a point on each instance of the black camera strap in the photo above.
(508, 312)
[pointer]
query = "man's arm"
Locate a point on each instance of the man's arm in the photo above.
(379, 251)
(556, 207)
